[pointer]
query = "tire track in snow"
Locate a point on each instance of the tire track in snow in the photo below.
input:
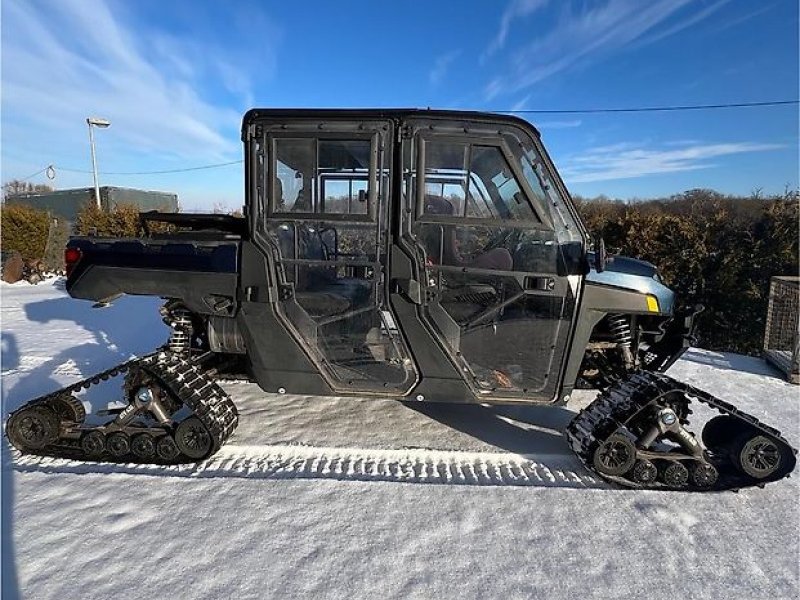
(356, 464)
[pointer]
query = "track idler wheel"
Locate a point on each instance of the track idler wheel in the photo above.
(615, 456)
(757, 456)
(675, 474)
(166, 449)
(33, 428)
(193, 438)
(704, 475)
(93, 444)
(644, 472)
(143, 446)
(118, 444)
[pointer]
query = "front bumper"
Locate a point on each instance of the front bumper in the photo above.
(677, 335)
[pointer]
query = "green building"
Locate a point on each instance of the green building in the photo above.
(66, 204)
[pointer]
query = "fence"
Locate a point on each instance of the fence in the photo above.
(782, 336)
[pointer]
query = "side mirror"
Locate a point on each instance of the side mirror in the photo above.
(600, 255)
(362, 195)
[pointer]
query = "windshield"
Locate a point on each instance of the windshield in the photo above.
(545, 190)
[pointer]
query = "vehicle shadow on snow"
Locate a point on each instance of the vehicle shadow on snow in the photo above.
(529, 430)
(10, 584)
(126, 328)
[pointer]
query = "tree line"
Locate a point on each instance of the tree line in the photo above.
(716, 250)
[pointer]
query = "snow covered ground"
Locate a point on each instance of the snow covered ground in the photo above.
(343, 498)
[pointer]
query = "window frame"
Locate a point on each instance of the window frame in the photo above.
(422, 140)
(374, 184)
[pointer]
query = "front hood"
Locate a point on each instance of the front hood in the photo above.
(633, 275)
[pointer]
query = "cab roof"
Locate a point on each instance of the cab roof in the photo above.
(256, 114)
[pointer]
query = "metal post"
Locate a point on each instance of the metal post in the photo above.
(94, 166)
(95, 122)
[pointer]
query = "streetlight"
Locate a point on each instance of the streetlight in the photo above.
(102, 123)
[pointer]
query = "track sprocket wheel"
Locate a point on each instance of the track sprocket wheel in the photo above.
(193, 438)
(615, 456)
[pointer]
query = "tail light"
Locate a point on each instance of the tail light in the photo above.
(71, 258)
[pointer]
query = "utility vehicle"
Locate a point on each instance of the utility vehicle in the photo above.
(428, 256)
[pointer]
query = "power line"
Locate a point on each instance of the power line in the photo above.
(162, 172)
(532, 111)
(636, 109)
(35, 174)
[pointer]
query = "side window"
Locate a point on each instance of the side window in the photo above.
(322, 176)
(472, 181)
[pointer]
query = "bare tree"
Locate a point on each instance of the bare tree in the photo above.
(15, 186)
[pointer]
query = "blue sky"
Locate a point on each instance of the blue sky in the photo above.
(175, 77)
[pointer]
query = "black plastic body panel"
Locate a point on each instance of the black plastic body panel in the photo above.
(202, 274)
(275, 358)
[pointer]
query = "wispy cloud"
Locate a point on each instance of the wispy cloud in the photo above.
(521, 104)
(629, 160)
(687, 22)
(559, 124)
(165, 96)
(587, 34)
(440, 67)
(516, 9)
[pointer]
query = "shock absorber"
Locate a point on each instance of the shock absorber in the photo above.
(180, 322)
(619, 327)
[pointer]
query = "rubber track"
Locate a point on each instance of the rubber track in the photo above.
(184, 378)
(188, 382)
(616, 405)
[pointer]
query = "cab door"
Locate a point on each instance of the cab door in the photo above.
(499, 253)
(325, 192)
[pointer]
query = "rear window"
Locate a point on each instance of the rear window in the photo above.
(314, 176)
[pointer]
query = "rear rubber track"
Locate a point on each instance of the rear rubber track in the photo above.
(185, 378)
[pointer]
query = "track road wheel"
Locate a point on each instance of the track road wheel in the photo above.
(722, 430)
(118, 444)
(757, 456)
(167, 449)
(675, 474)
(33, 428)
(704, 475)
(93, 444)
(644, 472)
(143, 446)
(193, 438)
(615, 456)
